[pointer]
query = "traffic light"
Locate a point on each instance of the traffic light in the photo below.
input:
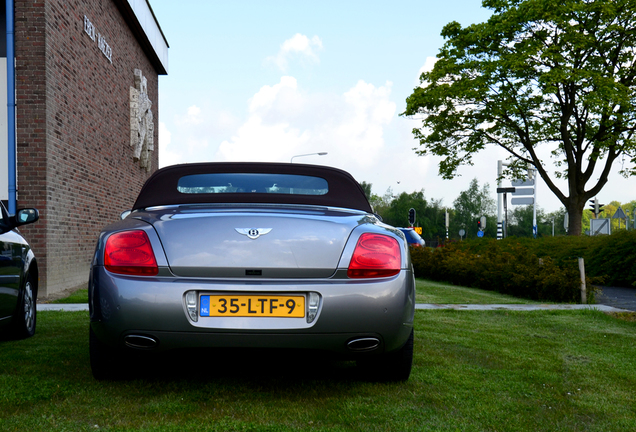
(479, 225)
(412, 216)
(596, 207)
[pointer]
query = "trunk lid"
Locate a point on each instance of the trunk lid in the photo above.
(266, 243)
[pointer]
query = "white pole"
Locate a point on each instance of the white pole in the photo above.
(552, 227)
(583, 288)
(447, 223)
(499, 201)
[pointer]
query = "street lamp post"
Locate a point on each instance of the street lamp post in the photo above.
(308, 154)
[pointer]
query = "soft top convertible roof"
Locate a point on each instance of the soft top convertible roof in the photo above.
(164, 186)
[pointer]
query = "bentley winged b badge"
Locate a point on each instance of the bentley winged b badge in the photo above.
(253, 233)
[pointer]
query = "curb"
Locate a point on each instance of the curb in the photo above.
(67, 307)
(520, 307)
(75, 307)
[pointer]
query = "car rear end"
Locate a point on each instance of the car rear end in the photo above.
(257, 275)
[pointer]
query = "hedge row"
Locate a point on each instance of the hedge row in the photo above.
(538, 269)
(612, 258)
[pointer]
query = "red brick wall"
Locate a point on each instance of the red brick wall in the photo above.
(74, 154)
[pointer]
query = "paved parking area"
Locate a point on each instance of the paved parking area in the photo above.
(624, 298)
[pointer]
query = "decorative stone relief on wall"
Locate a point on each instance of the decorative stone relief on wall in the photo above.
(141, 122)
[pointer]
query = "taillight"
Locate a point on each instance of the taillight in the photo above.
(130, 252)
(375, 255)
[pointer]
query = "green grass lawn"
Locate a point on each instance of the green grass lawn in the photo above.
(79, 296)
(443, 293)
(473, 371)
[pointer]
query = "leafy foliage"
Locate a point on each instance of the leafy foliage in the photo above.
(538, 269)
(514, 271)
(536, 73)
(613, 257)
(608, 259)
(394, 211)
(470, 206)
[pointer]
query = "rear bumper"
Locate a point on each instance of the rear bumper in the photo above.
(124, 308)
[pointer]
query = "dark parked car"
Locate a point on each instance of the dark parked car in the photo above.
(252, 255)
(18, 276)
(412, 237)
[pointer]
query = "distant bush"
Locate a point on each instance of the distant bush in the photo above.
(539, 269)
(611, 258)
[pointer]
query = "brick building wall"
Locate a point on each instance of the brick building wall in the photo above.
(75, 161)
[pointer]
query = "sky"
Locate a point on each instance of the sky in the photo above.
(269, 80)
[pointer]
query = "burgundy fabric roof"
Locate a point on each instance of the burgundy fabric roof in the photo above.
(161, 187)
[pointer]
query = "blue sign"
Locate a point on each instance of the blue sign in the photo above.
(480, 233)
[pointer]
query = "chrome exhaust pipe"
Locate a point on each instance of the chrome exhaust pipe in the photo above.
(140, 342)
(363, 344)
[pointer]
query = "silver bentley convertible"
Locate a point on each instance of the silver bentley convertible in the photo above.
(253, 255)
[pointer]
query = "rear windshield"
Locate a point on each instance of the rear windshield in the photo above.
(252, 182)
(220, 183)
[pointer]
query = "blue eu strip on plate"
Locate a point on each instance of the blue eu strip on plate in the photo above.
(205, 306)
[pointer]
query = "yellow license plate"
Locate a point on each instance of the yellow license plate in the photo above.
(252, 306)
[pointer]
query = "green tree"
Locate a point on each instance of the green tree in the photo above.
(608, 211)
(520, 222)
(630, 211)
(537, 73)
(366, 187)
(558, 216)
(394, 211)
(381, 203)
(470, 206)
(397, 213)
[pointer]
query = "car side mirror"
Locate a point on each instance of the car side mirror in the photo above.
(22, 217)
(26, 216)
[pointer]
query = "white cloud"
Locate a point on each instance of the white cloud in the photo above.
(298, 46)
(166, 155)
(193, 135)
(267, 134)
(429, 63)
(369, 112)
(282, 97)
(192, 117)
(283, 121)
(359, 129)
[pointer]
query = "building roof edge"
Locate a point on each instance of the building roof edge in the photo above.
(143, 23)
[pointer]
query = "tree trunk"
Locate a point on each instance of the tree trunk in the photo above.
(575, 216)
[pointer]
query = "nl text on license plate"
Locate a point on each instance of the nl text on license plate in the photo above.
(252, 306)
